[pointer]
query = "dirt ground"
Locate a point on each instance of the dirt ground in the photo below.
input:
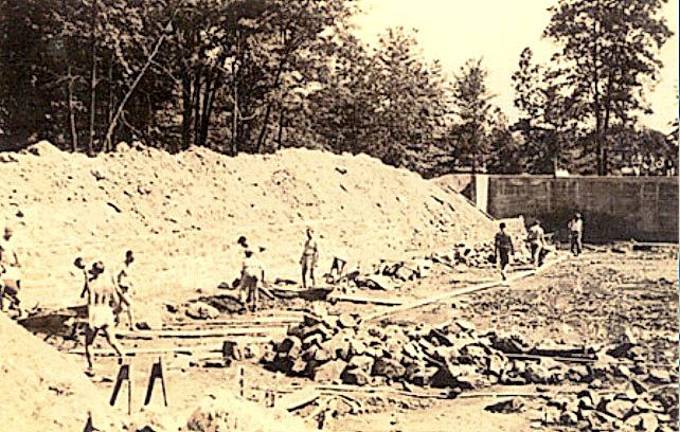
(587, 300)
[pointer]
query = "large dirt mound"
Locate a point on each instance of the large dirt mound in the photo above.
(43, 390)
(183, 213)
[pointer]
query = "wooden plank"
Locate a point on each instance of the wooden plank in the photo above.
(366, 300)
(462, 291)
(539, 357)
(127, 352)
(232, 324)
(215, 333)
(299, 399)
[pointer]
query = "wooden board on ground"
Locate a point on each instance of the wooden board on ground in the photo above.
(462, 291)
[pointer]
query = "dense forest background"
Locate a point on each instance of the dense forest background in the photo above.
(258, 75)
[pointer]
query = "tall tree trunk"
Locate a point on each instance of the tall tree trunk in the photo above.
(234, 114)
(186, 110)
(205, 116)
(109, 106)
(279, 137)
(197, 106)
(133, 86)
(93, 78)
(71, 114)
(596, 98)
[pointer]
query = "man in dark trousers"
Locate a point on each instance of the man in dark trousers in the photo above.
(576, 234)
(503, 249)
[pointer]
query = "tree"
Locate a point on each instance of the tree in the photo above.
(473, 109)
(386, 102)
(609, 52)
(548, 116)
(506, 153)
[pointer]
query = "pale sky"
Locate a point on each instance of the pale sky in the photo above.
(498, 30)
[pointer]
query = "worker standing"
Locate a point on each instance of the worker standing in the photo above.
(10, 273)
(503, 248)
(310, 258)
(126, 287)
(536, 243)
(252, 274)
(576, 234)
(103, 296)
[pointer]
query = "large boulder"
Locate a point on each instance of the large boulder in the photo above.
(389, 368)
(329, 372)
(619, 408)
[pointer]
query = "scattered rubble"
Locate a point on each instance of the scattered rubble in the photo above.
(452, 356)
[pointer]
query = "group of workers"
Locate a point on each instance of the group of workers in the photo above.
(252, 276)
(504, 249)
(109, 293)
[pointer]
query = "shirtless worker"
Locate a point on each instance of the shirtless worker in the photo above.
(309, 259)
(103, 296)
(10, 275)
(503, 249)
(126, 287)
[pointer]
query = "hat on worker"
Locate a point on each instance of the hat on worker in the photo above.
(578, 215)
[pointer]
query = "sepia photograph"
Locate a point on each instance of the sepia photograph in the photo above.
(339, 215)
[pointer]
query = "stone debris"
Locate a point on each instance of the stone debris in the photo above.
(454, 356)
(621, 411)
(202, 311)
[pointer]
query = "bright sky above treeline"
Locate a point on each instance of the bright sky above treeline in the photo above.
(498, 30)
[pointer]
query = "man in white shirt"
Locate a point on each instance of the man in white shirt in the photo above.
(252, 274)
(536, 242)
(576, 234)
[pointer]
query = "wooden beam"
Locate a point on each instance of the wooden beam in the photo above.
(212, 333)
(366, 300)
(462, 291)
(127, 352)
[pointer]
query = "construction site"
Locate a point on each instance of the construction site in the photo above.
(406, 326)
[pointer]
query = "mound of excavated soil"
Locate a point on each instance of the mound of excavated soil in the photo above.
(43, 390)
(182, 215)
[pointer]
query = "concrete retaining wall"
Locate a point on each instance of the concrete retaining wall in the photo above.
(644, 208)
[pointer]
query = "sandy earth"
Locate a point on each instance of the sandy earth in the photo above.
(385, 213)
(527, 307)
(182, 215)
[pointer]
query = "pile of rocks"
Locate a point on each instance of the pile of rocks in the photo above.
(634, 409)
(478, 255)
(454, 356)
